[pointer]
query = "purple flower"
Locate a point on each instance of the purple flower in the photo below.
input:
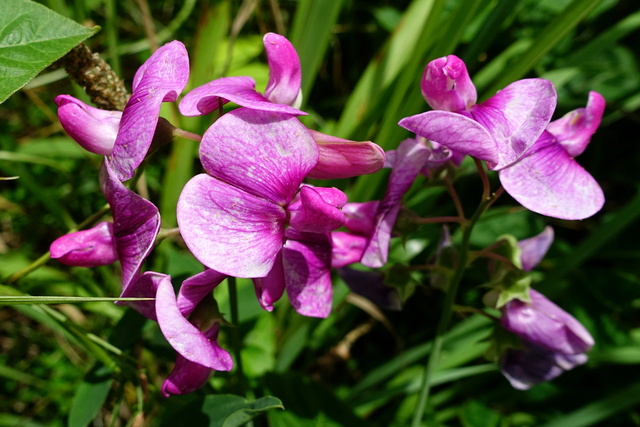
(534, 248)
(546, 325)
(548, 180)
(86, 248)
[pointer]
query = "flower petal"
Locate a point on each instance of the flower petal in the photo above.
(144, 285)
(160, 79)
(195, 288)
(307, 265)
(86, 248)
(136, 222)
(454, 131)
(370, 284)
(94, 129)
(312, 209)
(229, 230)
(239, 90)
(360, 217)
(185, 377)
(265, 154)
(446, 85)
(534, 248)
(552, 183)
(185, 338)
(284, 70)
(347, 248)
(516, 116)
(269, 289)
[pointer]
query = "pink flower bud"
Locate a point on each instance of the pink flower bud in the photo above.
(86, 248)
(446, 85)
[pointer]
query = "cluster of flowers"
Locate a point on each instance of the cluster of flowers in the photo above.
(251, 215)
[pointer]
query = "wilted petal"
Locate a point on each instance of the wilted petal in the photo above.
(160, 79)
(370, 285)
(360, 217)
(195, 288)
(317, 210)
(550, 182)
(454, 131)
(284, 70)
(94, 129)
(341, 158)
(270, 288)
(307, 265)
(86, 248)
(546, 325)
(515, 116)
(144, 285)
(265, 154)
(136, 222)
(410, 156)
(446, 85)
(184, 337)
(347, 248)
(534, 248)
(239, 90)
(228, 229)
(575, 129)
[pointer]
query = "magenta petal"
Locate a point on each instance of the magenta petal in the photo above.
(307, 266)
(347, 248)
(195, 288)
(284, 71)
(136, 222)
(454, 131)
(360, 217)
(184, 337)
(310, 212)
(186, 377)
(341, 158)
(534, 248)
(552, 183)
(239, 90)
(144, 285)
(269, 289)
(575, 129)
(86, 248)
(229, 230)
(160, 79)
(410, 156)
(265, 154)
(94, 129)
(515, 116)
(446, 85)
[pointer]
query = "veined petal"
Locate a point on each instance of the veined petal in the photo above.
(347, 248)
(446, 85)
(575, 129)
(552, 183)
(195, 288)
(228, 229)
(160, 79)
(534, 248)
(86, 248)
(265, 154)
(284, 70)
(94, 129)
(312, 209)
(239, 90)
(341, 158)
(307, 266)
(515, 116)
(185, 338)
(454, 131)
(269, 289)
(136, 222)
(144, 285)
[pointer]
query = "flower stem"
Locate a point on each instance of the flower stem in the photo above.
(445, 318)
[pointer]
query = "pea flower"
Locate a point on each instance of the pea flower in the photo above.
(86, 248)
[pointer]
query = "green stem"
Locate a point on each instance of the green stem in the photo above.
(236, 338)
(445, 318)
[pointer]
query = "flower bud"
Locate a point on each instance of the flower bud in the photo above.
(86, 248)
(446, 85)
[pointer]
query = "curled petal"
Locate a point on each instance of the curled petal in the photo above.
(546, 325)
(160, 79)
(341, 158)
(284, 70)
(534, 248)
(269, 289)
(94, 129)
(307, 266)
(360, 217)
(185, 338)
(317, 210)
(185, 377)
(575, 129)
(347, 248)
(144, 285)
(550, 182)
(86, 248)
(446, 85)
(195, 288)
(229, 230)
(265, 154)
(136, 222)
(454, 131)
(515, 117)
(239, 90)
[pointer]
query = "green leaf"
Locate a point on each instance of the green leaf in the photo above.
(31, 38)
(90, 396)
